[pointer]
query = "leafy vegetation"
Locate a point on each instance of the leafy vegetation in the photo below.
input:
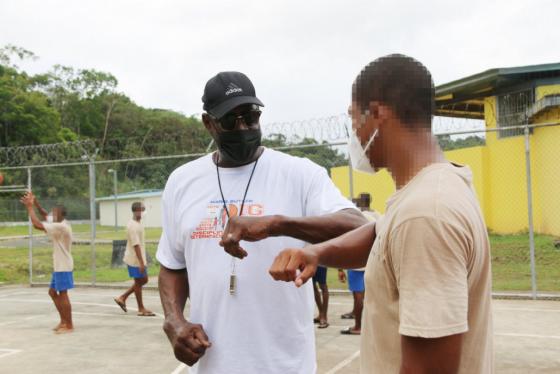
(68, 104)
(448, 144)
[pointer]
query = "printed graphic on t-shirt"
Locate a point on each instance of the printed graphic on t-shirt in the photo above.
(212, 227)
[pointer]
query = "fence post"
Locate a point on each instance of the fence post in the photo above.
(30, 232)
(92, 216)
(530, 211)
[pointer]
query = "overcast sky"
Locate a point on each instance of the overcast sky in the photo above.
(302, 55)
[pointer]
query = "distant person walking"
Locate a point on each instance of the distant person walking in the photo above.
(59, 232)
(135, 259)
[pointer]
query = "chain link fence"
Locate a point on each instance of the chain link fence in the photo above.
(516, 173)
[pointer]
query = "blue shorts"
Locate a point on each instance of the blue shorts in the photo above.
(134, 272)
(62, 280)
(320, 275)
(356, 281)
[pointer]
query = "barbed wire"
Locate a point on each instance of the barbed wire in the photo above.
(45, 154)
(511, 111)
(322, 129)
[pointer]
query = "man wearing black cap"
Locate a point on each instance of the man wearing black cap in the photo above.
(240, 320)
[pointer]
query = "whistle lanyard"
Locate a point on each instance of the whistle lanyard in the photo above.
(232, 277)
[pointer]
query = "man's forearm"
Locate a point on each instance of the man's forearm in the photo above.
(320, 228)
(34, 220)
(173, 291)
(42, 211)
(348, 251)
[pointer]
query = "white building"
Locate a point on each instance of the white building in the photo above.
(150, 198)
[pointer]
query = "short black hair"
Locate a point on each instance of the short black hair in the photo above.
(400, 82)
(365, 197)
(61, 208)
(137, 205)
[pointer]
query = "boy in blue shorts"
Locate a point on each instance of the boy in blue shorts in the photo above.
(59, 232)
(135, 259)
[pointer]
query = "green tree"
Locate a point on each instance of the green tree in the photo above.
(26, 116)
(320, 153)
(448, 144)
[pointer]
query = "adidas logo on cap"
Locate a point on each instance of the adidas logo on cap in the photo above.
(233, 88)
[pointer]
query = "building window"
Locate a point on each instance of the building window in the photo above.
(512, 111)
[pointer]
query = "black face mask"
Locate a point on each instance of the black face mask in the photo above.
(238, 146)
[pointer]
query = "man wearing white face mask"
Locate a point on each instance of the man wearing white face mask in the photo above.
(428, 275)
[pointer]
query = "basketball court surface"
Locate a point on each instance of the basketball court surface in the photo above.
(106, 340)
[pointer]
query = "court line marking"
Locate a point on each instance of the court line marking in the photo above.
(529, 309)
(75, 292)
(13, 294)
(527, 335)
(344, 363)
(8, 352)
(20, 320)
(179, 369)
(115, 306)
(124, 315)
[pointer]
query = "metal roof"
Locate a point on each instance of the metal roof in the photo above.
(132, 195)
(465, 97)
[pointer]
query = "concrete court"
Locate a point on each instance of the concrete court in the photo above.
(527, 336)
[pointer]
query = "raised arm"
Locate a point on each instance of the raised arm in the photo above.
(349, 251)
(309, 229)
(28, 200)
(189, 341)
(42, 211)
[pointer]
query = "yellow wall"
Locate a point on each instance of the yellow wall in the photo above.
(381, 185)
(545, 164)
(550, 89)
(504, 179)
(499, 173)
(474, 158)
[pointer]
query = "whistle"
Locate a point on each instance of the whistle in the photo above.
(232, 284)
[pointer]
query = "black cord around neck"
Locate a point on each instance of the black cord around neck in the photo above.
(246, 188)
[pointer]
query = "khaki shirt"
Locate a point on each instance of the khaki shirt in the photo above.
(371, 216)
(134, 236)
(429, 274)
(60, 233)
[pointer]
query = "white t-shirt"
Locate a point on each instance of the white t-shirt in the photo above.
(134, 236)
(60, 233)
(267, 326)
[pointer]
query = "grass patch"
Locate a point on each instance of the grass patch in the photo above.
(14, 264)
(510, 262)
(511, 267)
(24, 230)
(83, 231)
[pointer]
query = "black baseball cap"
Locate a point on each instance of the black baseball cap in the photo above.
(226, 91)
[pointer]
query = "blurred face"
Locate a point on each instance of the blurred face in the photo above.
(57, 215)
(139, 212)
(365, 123)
